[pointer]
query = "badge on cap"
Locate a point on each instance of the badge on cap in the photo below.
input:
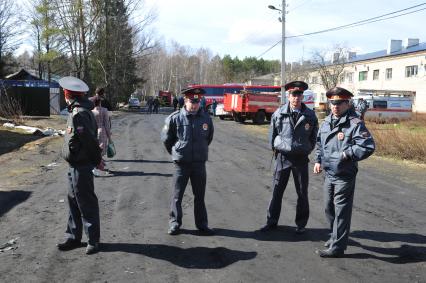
(205, 127)
(69, 130)
(307, 126)
(340, 136)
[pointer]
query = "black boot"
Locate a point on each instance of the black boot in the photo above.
(68, 245)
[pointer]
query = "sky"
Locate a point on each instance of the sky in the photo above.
(247, 28)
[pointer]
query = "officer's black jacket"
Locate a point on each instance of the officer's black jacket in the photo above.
(81, 146)
(187, 137)
(293, 139)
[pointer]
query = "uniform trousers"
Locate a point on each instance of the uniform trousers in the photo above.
(196, 172)
(301, 179)
(83, 205)
(338, 201)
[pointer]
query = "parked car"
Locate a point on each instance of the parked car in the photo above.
(222, 114)
(134, 103)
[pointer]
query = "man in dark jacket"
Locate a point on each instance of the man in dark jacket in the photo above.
(342, 141)
(81, 150)
(293, 133)
(187, 134)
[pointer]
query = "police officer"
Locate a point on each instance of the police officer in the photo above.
(293, 134)
(187, 134)
(361, 108)
(342, 141)
(81, 150)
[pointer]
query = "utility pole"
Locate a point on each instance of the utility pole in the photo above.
(283, 12)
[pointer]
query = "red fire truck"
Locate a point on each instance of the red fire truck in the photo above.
(165, 97)
(251, 105)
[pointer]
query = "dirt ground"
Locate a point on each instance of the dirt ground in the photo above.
(388, 239)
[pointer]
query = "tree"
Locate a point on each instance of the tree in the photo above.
(331, 70)
(46, 36)
(9, 31)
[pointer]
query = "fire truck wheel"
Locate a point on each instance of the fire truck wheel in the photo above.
(259, 118)
(222, 117)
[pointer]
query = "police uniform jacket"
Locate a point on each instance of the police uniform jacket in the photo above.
(187, 137)
(340, 148)
(81, 146)
(293, 138)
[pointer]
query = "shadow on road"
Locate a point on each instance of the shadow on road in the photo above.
(282, 234)
(136, 173)
(405, 253)
(193, 258)
(141, 161)
(10, 199)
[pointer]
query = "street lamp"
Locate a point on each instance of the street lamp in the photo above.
(283, 12)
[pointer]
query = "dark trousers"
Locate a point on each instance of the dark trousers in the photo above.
(301, 180)
(196, 172)
(83, 205)
(338, 201)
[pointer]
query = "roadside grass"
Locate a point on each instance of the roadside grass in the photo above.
(399, 139)
(404, 139)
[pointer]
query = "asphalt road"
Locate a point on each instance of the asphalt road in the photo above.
(387, 243)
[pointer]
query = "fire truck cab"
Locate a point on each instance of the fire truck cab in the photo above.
(256, 106)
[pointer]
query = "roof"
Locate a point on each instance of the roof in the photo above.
(383, 53)
(22, 75)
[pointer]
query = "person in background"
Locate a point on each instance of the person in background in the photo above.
(149, 104)
(187, 135)
(214, 106)
(156, 104)
(342, 141)
(104, 133)
(361, 108)
(175, 103)
(81, 151)
(181, 102)
(203, 103)
(100, 92)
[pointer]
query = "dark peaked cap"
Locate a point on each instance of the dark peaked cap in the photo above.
(193, 93)
(296, 86)
(339, 93)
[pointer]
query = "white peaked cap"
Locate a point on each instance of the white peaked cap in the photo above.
(73, 84)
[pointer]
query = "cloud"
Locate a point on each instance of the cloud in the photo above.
(258, 33)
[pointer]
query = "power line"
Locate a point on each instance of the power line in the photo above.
(355, 24)
(367, 21)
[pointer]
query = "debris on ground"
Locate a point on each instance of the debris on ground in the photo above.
(35, 130)
(9, 245)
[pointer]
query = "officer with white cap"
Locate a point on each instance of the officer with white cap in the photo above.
(81, 150)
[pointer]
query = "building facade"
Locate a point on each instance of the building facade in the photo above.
(400, 70)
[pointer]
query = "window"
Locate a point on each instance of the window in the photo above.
(389, 73)
(342, 78)
(314, 80)
(375, 74)
(350, 77)
(411, 71)
(380, 104)
(362, 76)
